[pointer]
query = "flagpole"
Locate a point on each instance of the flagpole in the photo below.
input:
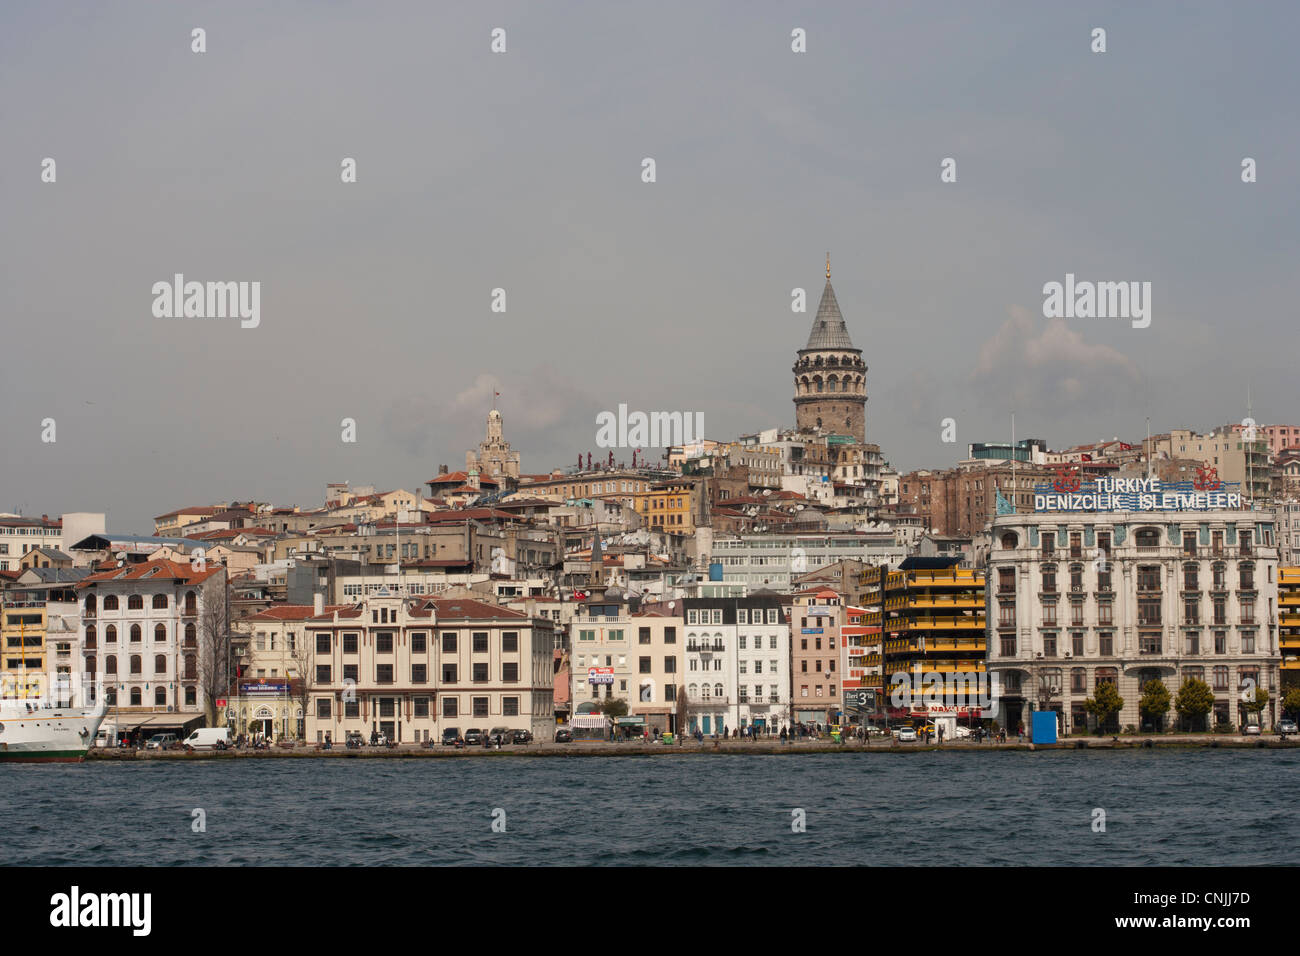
(1013, 462)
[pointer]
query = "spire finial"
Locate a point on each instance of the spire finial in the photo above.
(828, 265)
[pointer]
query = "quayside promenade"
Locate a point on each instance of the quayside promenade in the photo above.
(600, 748)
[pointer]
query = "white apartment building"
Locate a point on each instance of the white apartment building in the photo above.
(143, 632)
(737, 664)
(1077, 598)
(774, 560)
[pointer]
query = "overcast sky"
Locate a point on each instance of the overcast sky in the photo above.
(522, 171)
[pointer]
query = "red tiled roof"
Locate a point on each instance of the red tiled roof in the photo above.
(292, 612)
(204, 510)
(160, 569)
(468, 608)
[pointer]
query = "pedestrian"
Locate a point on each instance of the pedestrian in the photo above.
(940, 736)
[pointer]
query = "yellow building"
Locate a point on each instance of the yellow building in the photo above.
(1288, 621)
(932, 621)
(670, 506)
(22, 635)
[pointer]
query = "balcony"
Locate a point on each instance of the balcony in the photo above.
(708, 701)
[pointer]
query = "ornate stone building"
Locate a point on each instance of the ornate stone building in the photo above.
(494, 457)
(830, 390)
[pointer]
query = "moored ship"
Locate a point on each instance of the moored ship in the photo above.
(34, 731)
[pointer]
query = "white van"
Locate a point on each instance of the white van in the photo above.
(208, 738)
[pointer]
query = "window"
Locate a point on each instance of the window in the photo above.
(350, 672)
(1220, 610)
(322, 673)
(510, 706)
(1049, 580)
(1008, 645)
(1049, 645)
(1006, 615)
(1149, 642)
(421, 707)
(1148, 538)
(110, 603)
(349, 644)
(1247, 577)
(1248, 642)
(1220, 642)
(1193, 643)
(1221, 678)
(480, 706)
(1049, 614)
(160, 632)
(1076, 613)
(1076, 643)
(449, 707)
(1191, 577)
(419, 673)
(1106, 645)
(160, 602)
(510, 672)
(418, 643)
(323, 708)
(510, 642)
(1192, 610)
(384, 642)
(322, 643)
(1078, 680)
(1049, 543)
(670, 635)
(136, 634)
(480, 672)
(449, 644)
(135, 602)
(383, 673)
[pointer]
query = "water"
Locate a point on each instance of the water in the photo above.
(1187, 807)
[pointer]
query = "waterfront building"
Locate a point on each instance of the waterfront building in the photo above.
(737, 654)
(154, 630)
(1288, 622)
(412, 667)
(1081, 598)
(816, 665)
(658, 662)
(931, 614)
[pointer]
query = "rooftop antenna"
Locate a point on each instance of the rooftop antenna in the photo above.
(1013, 463)
(1148, 448)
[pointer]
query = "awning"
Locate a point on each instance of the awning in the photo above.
(589, 722)
(152, 721)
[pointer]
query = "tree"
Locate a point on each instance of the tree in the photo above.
(613, 707)
(1256, 702)
(214, 645)
(1291, 703)
(1194, 700)
(301, 655)
(1155, 700)
(683, 717)
(1105, 705)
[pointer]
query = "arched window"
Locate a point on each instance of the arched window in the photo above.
(110, 696)
(160, 632)
(90, 605)
(705, 692)
(135, 696)
(136, 633)
(92, 636)
(160, 696)
(160, 602)
(817, 382)
(190, 635)
(833, 383)
(110, 634)
(90, 663)
(136, 664)
(693, 691)
(110, 664)
(110, 603)
(191, 603)
(135, 602)
(160, 663)
(717, 690)
(1010, 541)
(1148, 537)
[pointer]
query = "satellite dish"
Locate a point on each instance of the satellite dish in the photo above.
(671, 605)
(121, 555)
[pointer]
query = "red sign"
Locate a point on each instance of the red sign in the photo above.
(1067, 479)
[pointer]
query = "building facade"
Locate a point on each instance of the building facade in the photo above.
(1077, 599)
(737, 653)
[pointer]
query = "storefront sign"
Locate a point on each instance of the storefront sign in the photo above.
(811, 630)
(1069, 493)
(263, 687)
(600, 675)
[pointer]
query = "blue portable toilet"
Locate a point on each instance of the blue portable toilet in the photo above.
(1044, 727)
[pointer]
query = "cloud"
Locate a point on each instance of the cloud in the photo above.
(1048, 365)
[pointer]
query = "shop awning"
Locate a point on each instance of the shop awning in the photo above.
(589, 722)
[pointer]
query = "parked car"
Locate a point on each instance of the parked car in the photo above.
(161, 742)
(499, 735)
(450, 735)
(474, 737)
(961, 733)
(903, 734)
(1250, 729)
(1285, 727)
(564, 736)
(521, 737)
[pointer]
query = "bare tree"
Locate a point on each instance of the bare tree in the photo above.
(301, 656)
(214, 649)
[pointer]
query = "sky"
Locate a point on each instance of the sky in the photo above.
(522, 171)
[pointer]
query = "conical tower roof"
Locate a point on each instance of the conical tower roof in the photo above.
(828, 328)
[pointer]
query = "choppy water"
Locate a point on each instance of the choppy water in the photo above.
(1206, 807)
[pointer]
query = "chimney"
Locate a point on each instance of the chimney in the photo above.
(318, 604)
(442, 469)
